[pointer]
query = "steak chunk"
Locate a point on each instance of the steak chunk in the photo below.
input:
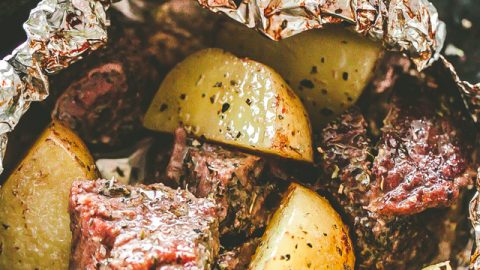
(231, 178)
(394, 243)
(140, 227)
(104, 97)
(100, 106)
(345, 150)
(421, 162)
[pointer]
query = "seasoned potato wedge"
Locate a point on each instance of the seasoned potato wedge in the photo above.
(304, 233)
(327, 68)
(233, 101)
(35, 231)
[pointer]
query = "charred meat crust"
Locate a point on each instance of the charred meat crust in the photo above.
(232, 178)
(394, 243)
(141, 227)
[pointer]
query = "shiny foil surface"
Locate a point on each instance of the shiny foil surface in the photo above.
(411, 26)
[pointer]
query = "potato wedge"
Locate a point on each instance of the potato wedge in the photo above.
(234, 101)
(327, 68)
(304, 233)
(35, 231)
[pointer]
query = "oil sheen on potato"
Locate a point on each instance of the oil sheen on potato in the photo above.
(328, 68)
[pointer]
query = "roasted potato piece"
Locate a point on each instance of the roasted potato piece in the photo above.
(327, 68)
(35, 231)
(233, 101)
(304, 233)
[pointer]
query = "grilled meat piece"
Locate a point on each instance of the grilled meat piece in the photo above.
(422, 160)
(230, 177)
(345, 150)
(140, 227)
(395, 243)
(239, 257)
(100, 103)
(104, 97)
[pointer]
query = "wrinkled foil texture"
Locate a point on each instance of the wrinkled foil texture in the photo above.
(470, 94)
(410, 26)
(58, 33)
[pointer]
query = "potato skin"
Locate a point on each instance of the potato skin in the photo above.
(304, 233)
(328, 68)
(234, 101)
(35, 231)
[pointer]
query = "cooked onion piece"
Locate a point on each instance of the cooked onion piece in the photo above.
(304, 233)
(327, 68)
(233, 101)
(35, 231)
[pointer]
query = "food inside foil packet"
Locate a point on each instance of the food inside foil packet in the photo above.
(190, 141)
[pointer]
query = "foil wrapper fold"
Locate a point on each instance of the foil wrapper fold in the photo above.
(411, 26)
(58, 33)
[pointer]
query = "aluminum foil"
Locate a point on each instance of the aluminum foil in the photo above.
(470, 94)
(411, 26)
(58, 33)
(129, 167)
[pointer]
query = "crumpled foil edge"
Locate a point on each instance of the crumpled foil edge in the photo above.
(470, 94)
(411, 27)
(58, 32)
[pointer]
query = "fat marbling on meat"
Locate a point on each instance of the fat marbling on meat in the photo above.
(423, 159)
(140, 227)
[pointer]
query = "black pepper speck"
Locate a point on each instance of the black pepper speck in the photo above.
(225, 107)
(307, 83)
(163, 107)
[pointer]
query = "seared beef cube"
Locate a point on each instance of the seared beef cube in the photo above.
(345, 150)
(100, 106)
(422, 159)
(396, 243)
(104, 97)
(140, 227)
(230, 177)
(239, 257)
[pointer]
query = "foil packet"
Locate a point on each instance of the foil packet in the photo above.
(59, 32)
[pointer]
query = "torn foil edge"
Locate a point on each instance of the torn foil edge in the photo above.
(58, 33)
(411, 27)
